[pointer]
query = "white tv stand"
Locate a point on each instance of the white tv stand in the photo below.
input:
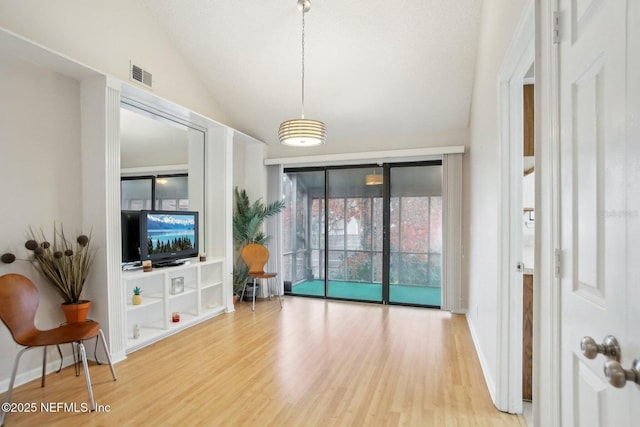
(201, 299)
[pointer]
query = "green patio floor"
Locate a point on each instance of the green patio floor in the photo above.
(407, 294)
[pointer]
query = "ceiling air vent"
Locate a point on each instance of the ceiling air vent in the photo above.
(141, 76)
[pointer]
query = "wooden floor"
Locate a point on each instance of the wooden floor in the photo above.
(315, 363)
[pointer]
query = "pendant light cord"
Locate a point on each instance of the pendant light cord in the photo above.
(303, 62)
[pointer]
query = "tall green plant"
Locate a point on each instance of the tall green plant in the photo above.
(248, 219)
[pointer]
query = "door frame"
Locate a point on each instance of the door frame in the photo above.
(546, 294)
(547, 399)
(517, 62)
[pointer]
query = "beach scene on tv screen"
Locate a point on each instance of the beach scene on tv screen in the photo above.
(170, 233)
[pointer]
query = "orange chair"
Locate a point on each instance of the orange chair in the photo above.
(18, 305)
(256, 256)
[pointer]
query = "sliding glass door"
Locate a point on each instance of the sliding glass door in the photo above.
(381, 227)
(354, 226)
(415, 230)
(303, 232)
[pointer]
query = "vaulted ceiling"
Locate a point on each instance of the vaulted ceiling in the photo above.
(372, 68)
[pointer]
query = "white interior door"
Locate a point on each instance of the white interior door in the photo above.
(600, 211)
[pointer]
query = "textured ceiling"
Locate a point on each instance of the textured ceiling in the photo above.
(372, 68)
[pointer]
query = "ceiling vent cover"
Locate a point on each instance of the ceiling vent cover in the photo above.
(141, 76)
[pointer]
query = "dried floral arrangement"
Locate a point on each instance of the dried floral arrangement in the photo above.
(64, 264)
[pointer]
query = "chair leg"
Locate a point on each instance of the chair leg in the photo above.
(87, 377)
(76, 357)
(44, 365)
(106, 351)
(61, 359)
(243, 289)
(279, 293)
(274, 289)
(253, 308)
(11, 383)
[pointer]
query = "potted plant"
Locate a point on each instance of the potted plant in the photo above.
(247, 228)
(65, 265)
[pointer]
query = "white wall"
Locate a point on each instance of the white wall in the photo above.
(239, 165)
(499, 21)
(249, 172)
(41, 181)
(106, 35)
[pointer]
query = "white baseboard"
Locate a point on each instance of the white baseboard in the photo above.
(483, 362)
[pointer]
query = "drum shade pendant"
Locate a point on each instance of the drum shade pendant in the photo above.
(373, 179)
(302, 132)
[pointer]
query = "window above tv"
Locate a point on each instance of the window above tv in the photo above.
(160, 192)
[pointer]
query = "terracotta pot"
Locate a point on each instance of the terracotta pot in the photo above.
(236, 297)
(76, 313)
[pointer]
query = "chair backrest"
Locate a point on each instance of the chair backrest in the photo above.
(255, 256)
(18, 305)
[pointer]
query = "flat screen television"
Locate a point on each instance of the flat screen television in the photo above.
(168, 237)
(130, 227)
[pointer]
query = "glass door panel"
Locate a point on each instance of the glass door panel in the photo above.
(415, 235)
(303, 233)
(354, 231)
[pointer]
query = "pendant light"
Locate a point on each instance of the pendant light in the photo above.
(302, 132)
(373, 179)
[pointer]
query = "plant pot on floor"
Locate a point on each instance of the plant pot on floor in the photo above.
(248, 292)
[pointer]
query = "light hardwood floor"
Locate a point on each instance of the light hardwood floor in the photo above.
(313, 363)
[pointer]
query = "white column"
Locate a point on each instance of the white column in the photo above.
(100, 136)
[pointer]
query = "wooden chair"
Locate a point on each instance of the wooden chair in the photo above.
(256, 256)
(18, 304)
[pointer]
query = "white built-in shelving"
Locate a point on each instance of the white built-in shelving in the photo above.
(202, 298)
